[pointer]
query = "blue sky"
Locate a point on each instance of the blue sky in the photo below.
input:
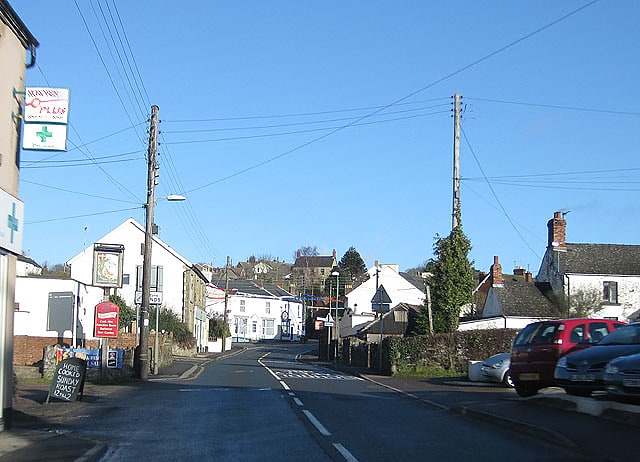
(329, 124)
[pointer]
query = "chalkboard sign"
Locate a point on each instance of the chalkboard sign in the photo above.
(68, 380)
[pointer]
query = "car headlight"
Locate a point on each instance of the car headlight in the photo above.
(611, 369)
(562, 362)
(497, 365)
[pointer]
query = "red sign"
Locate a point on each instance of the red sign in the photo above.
(107, 320)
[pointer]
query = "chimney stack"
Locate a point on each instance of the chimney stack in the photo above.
(557, 232)
(496, 273)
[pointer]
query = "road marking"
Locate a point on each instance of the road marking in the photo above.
(316, 423)
(345, 453)
(298, 402)
(307, 374)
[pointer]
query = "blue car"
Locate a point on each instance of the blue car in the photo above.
(622, 377)
(582, 372)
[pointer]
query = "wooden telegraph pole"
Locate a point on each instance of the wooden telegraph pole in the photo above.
(456, 160)
(143, 355)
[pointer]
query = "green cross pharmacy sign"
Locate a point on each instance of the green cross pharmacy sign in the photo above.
(50, 137)
(11, 222)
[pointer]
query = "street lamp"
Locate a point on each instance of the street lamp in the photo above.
(337, 275)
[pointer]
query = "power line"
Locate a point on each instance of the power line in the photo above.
(294, 124)
(555, 106)
(408, 96)
(80, 216)
(495, 196)
(76, 192)
(302, 114)
(310, 130)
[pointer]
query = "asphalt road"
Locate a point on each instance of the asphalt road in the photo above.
(263, 404)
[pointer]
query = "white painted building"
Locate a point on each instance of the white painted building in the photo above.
(57, 308)
(609, 271)
(257, 312)
(401, 288)
(168, 280)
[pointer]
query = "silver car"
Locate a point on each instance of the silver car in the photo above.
(496, 369)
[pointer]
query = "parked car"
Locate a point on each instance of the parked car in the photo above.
(537, 348)
(582, 372)
(622, 377)
(496, 369)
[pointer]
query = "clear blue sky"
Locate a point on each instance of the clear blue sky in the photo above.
(329, 124)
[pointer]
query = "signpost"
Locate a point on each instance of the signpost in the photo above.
(380, 304)
(68, 380)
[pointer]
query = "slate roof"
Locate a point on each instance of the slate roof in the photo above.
(601, 259)
(520, 298)
(321, 261)
(417, 281)
(248, 287)
(390, 326)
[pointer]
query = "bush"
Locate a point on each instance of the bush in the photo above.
(449, 353)
(170, 322)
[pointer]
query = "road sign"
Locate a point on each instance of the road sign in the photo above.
(155, 298)
(329, 321)
(381, 300)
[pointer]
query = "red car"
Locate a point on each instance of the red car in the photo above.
(537, 348)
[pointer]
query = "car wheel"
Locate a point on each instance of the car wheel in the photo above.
(577, 392)
(525, 392)
(507, 380)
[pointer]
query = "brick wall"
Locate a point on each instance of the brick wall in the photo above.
(29, 351)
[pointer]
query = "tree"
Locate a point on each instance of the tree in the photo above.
(583, 303)
(307, 251)
(126, 314)
(352, 264)
(218, 328)
(452, 282)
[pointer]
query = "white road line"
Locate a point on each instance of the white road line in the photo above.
(316, 423)
(284, 385)
(298, 402)
(345, 453)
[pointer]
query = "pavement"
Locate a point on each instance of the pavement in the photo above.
(33, 436)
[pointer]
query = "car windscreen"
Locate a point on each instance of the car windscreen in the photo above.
(625, 335)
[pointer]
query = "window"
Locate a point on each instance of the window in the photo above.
(242, 306)
(267, 308)
(610, 292)
(156, 278)
(577, 334)
(267, 327)
(254, 326)
(322, 271)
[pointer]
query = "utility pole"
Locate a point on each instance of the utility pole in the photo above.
(226, 303)
(152, 173)
(456, 160)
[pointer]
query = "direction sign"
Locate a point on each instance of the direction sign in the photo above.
(155, 298)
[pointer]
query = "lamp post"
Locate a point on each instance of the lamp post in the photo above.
(337, 275)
